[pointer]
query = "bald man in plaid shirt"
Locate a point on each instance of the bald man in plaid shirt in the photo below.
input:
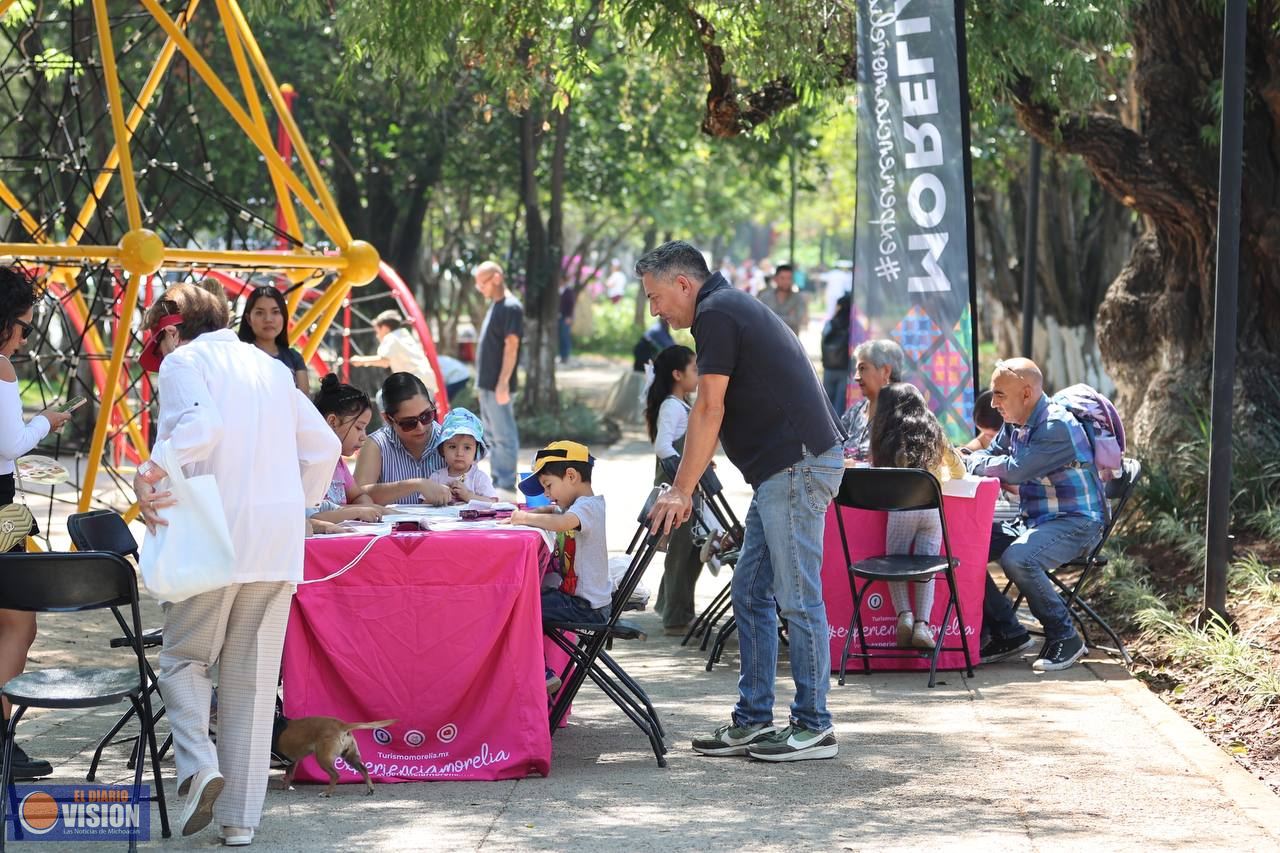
(1045, 453)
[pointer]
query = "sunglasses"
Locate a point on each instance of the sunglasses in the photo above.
(26, 328)
(423, 419)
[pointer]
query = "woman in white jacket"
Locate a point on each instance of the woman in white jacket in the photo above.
(17, 437)
(231, 410)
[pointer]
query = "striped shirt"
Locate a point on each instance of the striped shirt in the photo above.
(398, 464)
(1050, 460)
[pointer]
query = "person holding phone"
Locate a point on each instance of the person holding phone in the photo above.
(17, 437)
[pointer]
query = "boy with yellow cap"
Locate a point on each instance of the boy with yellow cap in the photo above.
(562, 470)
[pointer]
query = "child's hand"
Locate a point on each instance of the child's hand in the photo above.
(517, 517)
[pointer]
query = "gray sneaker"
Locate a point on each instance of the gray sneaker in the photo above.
(795, 743)
(732, 739)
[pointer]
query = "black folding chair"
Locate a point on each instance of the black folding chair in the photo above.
(898, 490)
(584, 643)
(1072, 577)
(73, 583)
(106, 530)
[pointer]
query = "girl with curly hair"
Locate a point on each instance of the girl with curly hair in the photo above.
(17, 437)
(905, 434)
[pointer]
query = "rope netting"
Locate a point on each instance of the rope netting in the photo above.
(61, 185)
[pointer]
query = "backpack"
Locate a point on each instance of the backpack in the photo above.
(1101, 423)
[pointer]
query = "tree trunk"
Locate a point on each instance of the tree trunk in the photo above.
(541, 277)
(1155, 326)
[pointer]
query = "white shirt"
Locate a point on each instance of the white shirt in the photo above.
(591, 552)
(476, 480)
(404, 355)
(673, 423)
(616, 284)
(17, 437)
(233, 411)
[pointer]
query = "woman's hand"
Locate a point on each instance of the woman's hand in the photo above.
(57, 420)
(434, 493)
(318, 527)
(150, 500)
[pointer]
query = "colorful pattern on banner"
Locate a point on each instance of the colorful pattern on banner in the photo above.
(912, 280)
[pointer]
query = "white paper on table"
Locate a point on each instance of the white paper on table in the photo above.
(965, 487)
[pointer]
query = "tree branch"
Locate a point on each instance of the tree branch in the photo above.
(731, 112)
(1119, 158)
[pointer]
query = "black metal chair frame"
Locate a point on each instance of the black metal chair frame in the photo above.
(898, 490)
(710, 492)
(87, 535)
(74, 583)
(585, 643)
(1118, 491)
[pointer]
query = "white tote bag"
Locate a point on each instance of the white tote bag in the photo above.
(193, 552)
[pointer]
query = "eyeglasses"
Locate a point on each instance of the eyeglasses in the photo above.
(423, 419)
(26, 328)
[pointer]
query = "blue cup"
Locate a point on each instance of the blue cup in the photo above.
(538, 500)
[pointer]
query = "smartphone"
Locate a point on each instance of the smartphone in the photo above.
(73, 404)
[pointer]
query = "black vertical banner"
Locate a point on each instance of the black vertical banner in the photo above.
(913, 255)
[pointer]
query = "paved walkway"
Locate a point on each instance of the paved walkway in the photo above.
(1008, 760)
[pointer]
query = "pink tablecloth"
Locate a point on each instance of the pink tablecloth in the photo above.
(969, 527)
(440, 631)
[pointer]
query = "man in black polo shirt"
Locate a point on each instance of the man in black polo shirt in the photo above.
(759, 396)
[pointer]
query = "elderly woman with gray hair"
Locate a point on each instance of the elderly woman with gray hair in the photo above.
(876, 364)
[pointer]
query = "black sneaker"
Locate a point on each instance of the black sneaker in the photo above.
(997, 650)
(1060, 654)
(26, 768)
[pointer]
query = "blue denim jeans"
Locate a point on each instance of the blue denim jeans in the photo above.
(566, 338)
(781, 568)
(501, 436)
(560, 606)
(1025, 562)
(836, 384)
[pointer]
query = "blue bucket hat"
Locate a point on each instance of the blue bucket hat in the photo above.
(463, 422)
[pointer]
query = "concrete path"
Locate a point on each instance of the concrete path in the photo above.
(1008, 760)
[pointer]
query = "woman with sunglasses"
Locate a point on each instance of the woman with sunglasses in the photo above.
(228, 410)
(264, 325)
(394, 465)
(17, 627)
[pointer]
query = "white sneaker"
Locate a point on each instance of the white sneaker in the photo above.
(197, 810)
(237, 836)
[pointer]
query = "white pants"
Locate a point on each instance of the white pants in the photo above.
(241, 629)
(913, 532)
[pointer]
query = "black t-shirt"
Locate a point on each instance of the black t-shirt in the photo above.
(291, 358)
(505, 317)
(774, 407)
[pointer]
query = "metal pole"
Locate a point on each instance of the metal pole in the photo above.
(1218, 520)
(791, 256)
(1029, 255)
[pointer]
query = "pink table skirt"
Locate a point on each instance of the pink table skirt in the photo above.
(441, 632)
(969, 527)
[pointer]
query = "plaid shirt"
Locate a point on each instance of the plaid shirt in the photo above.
(1050, 460)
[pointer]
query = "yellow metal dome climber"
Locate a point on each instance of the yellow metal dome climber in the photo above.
(100, 107)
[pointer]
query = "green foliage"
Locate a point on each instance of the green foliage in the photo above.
(614, 330)
(574, 422)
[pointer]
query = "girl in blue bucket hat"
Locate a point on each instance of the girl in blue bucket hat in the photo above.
(462, 446)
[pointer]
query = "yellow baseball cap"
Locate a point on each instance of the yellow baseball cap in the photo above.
(556, 451)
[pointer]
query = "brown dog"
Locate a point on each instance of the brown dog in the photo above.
(327, 737)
